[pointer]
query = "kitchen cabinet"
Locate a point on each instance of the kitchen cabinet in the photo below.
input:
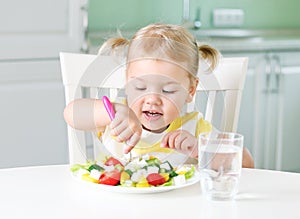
(270, 108)
(32, 33)
(32, 126)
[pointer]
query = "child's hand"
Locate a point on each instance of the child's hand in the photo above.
(182, 141)
(126, 126)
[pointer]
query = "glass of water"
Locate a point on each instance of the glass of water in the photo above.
(220, 164)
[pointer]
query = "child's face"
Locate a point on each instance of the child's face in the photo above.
(156, 91)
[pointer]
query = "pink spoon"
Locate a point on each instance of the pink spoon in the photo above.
(111, 113)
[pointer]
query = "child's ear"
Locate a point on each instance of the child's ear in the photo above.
(192, 91)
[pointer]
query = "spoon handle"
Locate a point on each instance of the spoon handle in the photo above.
(109, 107)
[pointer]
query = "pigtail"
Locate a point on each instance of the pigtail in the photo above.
(210, 55)
(114, 46)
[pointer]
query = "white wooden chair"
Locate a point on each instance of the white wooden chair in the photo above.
(91, 76)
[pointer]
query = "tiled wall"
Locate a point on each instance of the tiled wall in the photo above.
(132, 14)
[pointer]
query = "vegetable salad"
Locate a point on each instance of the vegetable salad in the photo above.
(145, 171)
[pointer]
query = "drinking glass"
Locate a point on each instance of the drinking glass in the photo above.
(220, 163)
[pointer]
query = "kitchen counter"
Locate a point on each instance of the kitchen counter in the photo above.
(245, 40)
(226, 40)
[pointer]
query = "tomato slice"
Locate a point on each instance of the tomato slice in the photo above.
(111, 178)
(155, 179)
(112, 161)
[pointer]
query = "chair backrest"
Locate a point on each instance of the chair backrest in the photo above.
(91, 76)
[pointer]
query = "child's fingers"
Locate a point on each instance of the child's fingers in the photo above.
(124, 135)
(133, 140)
(182, 142)
(179, 142)
(118, 126)
(127, 149)
(117, 131)
(194, 151)
(169, 139)
(116, 121)
(190, 146)
(173, 140)
(187, 144)
(164, 141)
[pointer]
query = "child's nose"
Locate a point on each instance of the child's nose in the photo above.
(153, 99)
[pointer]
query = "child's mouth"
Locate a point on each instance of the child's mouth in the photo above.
(152, 115)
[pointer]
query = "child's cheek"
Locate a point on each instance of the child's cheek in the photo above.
(178, 101)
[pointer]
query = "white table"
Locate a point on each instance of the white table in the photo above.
(51, 192)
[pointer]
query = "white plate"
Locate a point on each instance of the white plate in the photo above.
(175, 159)
(145, 190)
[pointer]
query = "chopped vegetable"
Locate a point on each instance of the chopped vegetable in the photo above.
(190, 173)
(87, 177)
(166, 176)
(167, 166)
(95, 174)
(124, 177)
(111, 161)
(142, 182)
(155, 179)
(169, 183)
(77, 167)
(95, 167)
(179, 180)
(173, 173)
(153, 161)
(119, 167)
(111, 178)
(129, 172)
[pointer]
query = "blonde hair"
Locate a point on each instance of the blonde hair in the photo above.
(164, 41)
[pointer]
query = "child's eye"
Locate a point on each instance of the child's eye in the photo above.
(140, 88)
(169, 91)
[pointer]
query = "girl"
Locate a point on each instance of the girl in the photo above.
(161, 74)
